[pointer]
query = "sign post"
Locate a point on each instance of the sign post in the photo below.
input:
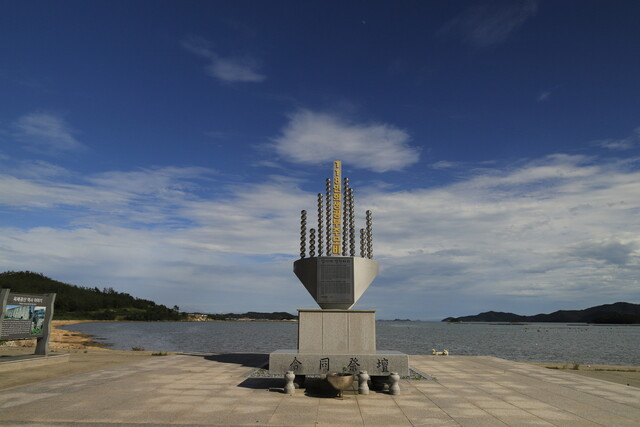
(26, 316)
(4, 294)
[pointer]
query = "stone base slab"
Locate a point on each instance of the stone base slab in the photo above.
(381, 363)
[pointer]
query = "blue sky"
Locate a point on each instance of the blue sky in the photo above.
(166, 148)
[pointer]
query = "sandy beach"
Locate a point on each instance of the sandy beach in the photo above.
(60, 339)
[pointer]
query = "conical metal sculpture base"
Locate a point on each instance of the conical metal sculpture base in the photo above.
(336, 282)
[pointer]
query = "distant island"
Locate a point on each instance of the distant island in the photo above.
(248, 316)
(87, 303)
(618, 313)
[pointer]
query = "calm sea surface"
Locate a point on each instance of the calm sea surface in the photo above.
(536, 342)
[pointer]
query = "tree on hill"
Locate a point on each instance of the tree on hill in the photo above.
(280, 315)
(618, 313)
(79, 302)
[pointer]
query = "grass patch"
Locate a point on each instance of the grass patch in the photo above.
(137, 348)
(160, 353)
(576, 367)
(617, 370)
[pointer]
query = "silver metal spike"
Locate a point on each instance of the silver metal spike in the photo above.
(312, 242)
(352, 229)
(369, 235)
(320, 224)
(303, 233)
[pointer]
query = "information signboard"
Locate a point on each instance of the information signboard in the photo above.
(25, 316)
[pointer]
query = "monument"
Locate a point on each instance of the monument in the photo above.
(336, 338)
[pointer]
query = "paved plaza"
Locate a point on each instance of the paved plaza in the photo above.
(215, 390)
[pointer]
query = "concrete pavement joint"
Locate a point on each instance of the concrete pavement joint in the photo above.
(212, 390)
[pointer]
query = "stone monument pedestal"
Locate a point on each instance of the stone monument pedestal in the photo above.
(337, 341)
(336, 331)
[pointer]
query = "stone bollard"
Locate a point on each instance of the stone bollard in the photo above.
(363, 382)
(289, 388)
(394, 384)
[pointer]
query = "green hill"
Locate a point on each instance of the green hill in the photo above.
(79, 302)
(618, 313)
(254, 315)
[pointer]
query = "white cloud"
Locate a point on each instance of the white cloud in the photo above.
(621, 144)
(611, 252)
(149, 233)
(561, 228)
(443, 164)
(235, 70)
(47, 133)
(197, 46)
(145, 196)
(32, 169)
(541, 235)
(168, 266)
(226, 69)
(316, 138)
(487, 25)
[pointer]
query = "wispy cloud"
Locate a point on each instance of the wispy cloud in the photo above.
(544, 95)
(315, 138)
(560, 228)
(46, 133)
(610, 252)
(443, 164)
(145, 196)
(621, 144)
(152, 230)
(235, 70)
(244, 69)
(486, 25)
(32, 169)
(197, 46)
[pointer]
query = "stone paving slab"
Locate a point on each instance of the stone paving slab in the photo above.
(29, 361)
(215, 390)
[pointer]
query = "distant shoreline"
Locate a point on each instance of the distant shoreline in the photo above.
(236, 320)
(65, 339)
(619, 313)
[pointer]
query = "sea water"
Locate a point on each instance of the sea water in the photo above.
(535, 342)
